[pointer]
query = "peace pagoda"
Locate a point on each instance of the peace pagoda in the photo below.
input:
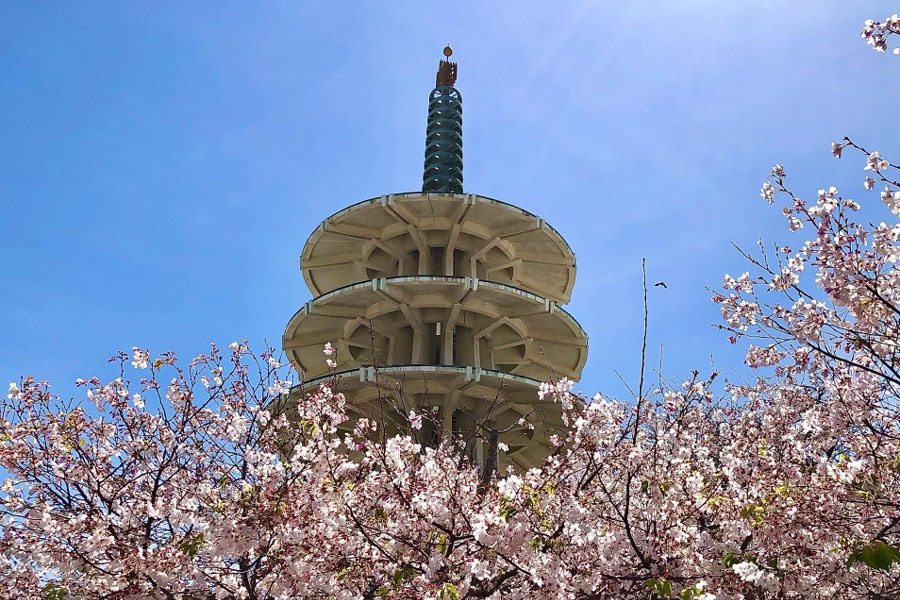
(443, 302)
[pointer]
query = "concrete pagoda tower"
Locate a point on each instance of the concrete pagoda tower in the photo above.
(443, 302)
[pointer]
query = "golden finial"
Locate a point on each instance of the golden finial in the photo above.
(446, 75)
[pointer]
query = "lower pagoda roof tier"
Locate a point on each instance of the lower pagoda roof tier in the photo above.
(462, 401)
(420, 233)
(461, 321)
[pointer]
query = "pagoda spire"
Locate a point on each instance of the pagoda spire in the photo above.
(443, 135)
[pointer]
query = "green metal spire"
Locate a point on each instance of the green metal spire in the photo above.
(443, 136)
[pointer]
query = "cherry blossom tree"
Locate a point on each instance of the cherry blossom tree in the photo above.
(833, 348)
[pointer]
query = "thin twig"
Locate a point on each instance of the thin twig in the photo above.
(640, 394)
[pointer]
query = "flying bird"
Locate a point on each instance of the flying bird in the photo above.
(661, 283)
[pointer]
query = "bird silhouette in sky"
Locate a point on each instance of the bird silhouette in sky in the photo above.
(661, 284)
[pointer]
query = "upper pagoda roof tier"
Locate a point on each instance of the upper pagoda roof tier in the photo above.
(419, 233)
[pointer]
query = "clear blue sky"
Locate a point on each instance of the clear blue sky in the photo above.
(162, 164)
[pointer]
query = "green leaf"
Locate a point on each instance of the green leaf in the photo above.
(868, 557)
(448, 592)
(507, 512)
(877, 556)
(54, 591)
(892, 554)
(689, 592)
(661, 586)
(398, 577)
(192, 545)
(729, 560)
